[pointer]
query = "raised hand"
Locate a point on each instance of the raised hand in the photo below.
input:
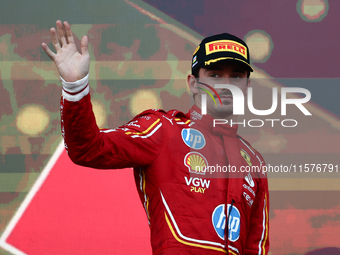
(72, 64)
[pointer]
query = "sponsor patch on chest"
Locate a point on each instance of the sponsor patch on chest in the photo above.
(246, 157)
(197, 185)
(193, 138)
(248, 190)
(219, 220)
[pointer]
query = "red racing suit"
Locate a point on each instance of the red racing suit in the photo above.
(189, 210)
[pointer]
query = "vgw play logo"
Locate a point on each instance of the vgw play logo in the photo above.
(238, 104)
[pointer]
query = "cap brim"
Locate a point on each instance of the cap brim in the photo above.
(218, 60)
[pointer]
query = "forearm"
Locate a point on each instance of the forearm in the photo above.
(106, 149)
(77, 121)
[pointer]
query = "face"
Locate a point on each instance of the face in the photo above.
(233, 73)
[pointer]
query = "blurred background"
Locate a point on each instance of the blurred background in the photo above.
(140, 57)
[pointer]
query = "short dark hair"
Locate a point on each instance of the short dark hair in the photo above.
(196, 73)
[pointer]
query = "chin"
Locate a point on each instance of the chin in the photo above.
(224, 111)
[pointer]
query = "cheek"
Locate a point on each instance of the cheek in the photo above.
(211, 102)
(243, 87)
(245, 91)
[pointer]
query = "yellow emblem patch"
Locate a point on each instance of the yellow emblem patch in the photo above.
(246, 157)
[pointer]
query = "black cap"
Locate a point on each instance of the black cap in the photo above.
(218, 48)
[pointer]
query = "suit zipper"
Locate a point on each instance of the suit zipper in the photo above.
(231, 207)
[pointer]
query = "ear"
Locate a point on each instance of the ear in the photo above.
(192, 84)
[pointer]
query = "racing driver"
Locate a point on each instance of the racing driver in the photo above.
(189, 209)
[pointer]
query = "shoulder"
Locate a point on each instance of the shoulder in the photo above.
(173, 117)
(150, 112)
(248, 145)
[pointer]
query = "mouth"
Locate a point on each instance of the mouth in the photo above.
(225, 96)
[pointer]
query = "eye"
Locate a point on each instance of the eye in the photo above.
(237, 79)
(214, 75)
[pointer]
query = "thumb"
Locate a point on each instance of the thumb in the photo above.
(84, 45)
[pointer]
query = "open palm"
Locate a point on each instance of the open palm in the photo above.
(72, 64)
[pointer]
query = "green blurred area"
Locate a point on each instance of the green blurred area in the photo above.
(129, 51)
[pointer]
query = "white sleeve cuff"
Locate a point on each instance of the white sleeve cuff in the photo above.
(76, 97)
(75, 91)
(76, 86)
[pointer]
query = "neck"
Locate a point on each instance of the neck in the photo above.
(223, 117)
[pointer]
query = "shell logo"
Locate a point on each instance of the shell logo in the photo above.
(196, 163)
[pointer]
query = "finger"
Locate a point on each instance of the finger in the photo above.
(61, 35)
(48, 51)
(84, 45)
(69, 34)
(55, 40)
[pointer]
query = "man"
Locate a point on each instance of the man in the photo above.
(189, 210)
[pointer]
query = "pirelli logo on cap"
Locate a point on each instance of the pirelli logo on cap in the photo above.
(226, 45)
